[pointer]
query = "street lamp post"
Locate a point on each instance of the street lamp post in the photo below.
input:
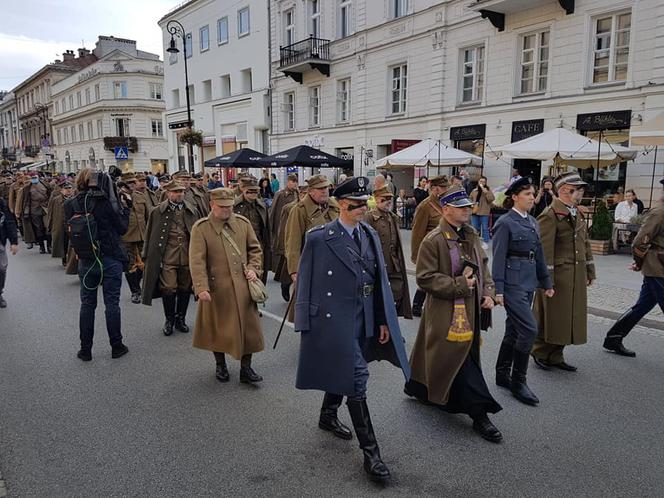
(176, 29)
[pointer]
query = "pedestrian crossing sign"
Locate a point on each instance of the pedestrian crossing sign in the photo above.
(121, 153)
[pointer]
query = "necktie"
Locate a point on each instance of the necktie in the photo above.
(356, 238)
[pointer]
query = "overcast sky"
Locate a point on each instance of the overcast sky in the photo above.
(36, 32)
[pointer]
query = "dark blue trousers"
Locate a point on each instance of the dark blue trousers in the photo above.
(652, 293)
(90, 274)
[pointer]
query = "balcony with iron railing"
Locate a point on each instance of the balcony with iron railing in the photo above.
(305, 55)
(31, 150)
(495, 10)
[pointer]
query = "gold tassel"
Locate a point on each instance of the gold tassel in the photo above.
(460, 330)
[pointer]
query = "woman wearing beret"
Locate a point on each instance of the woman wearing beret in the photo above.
(519, 268)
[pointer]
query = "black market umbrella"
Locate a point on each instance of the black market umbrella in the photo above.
(306, 157)
(241, 158)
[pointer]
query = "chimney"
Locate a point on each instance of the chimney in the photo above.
(68, 56)
(82, 52)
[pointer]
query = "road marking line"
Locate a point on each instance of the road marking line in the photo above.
(276, 318)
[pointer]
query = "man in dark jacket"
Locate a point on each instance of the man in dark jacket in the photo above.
(106, 267)
(346, 316)
(7, 232)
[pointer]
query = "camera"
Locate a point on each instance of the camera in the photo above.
(103, 185)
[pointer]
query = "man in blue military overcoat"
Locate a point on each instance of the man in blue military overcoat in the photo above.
(345, 313)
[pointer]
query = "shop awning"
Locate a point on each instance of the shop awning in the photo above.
(429, 152)
(306, 157)
(33, 166)
(241, 158)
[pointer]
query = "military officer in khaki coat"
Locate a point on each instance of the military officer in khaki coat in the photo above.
(427, 217)
(200, 194)
(562, 319)
(166, 256)
(281, 271)
(285, 196)
(251, 207)
(184, 178)
(316, 209)
(224, 255)
(445, 361)
(142, 187)
(386, 223)
(135, 236)
(55, 222)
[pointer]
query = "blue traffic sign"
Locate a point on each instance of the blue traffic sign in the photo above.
(121, 153)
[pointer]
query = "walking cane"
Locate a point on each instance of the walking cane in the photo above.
(290, 303)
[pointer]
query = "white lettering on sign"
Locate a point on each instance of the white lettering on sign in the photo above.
(315, 142)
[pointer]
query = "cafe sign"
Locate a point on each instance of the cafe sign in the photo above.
(472, 132)
(615, 120)
(526, 129)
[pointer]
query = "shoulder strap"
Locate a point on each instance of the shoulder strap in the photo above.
(231, 242)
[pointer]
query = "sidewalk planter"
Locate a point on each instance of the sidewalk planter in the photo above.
(600, 247)
(601, 230)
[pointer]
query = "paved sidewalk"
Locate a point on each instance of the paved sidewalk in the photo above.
(616, 288)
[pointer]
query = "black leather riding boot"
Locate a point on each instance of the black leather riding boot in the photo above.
(168, 300)
(519, 387)
(181, 311)
(373, 464)
(504, 365)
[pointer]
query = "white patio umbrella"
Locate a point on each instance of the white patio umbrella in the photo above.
(428, 153)
(651, 133)
(564, 147)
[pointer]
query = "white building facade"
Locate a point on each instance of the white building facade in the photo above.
(228, 72)
(397, 71)
(116, 102)
(8, 127)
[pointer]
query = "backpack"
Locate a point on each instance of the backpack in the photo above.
(82, 229)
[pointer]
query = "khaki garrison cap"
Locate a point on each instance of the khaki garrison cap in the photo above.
(318, 181)
(222, 197)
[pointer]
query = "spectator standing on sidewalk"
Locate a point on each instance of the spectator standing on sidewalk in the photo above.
(483, 199)
(421, 192)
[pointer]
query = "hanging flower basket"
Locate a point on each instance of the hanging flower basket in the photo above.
(192, 137)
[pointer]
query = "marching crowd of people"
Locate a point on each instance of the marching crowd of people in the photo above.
(338, 255)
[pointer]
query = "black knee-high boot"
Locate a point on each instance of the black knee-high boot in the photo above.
(373, 464)
(418, 302)
(222, 370)
(616, 334)
(168, 300)
(519, 387)
(181, 312)
(504, 365)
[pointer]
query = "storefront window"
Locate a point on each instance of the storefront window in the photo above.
(607, 180)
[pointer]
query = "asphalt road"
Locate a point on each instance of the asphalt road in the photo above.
(157, 423)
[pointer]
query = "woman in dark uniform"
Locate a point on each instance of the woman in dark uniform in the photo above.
(519, 268)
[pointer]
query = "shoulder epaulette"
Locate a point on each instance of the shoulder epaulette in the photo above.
(316, 228)
(200, 221)
(243, 218)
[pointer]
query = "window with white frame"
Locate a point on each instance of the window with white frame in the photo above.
(345, 18)
(157, 128)
(119, 89)
(243, 22)
(65, 133)
(534, 62)
(121, 127)
(79, 101)
(90, 131)
(222, 30)
(472, 74)
(289, 27)
(399, 88)
(72, 130)
(71, 102)
(64, 105)
(611, 47)
(59, 136)
(289, 111)
(156, 90)
(343, 100)
(314, 106)
(97, 92)
(314, 18)
(87, 96)
(100, 128)
(399, 8)
(188, 46)
(204, 35)
(57, 107)
(81, 136)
